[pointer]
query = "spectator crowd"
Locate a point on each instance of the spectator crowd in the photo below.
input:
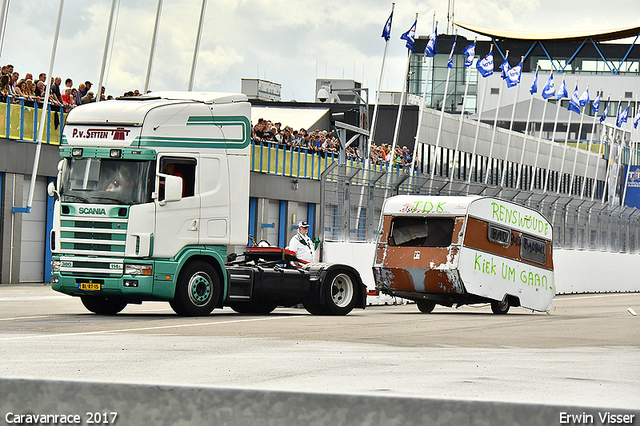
(15, 89)
(326, 143)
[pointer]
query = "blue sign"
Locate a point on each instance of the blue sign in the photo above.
(632, 198)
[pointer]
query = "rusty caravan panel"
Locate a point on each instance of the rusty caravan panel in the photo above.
(416, 267)
(476, 238)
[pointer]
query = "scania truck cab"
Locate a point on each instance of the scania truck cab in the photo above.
(151, 191)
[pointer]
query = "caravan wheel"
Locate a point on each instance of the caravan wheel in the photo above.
(500, 307)
(426, 306)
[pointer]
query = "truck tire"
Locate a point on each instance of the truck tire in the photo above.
(340, 291)
(500, 307)
(197, 291)
(103, 305)
(426, 306)
(257, 308)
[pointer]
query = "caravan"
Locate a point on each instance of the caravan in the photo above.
(464, 250)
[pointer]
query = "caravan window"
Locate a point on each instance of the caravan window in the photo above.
(421, 231)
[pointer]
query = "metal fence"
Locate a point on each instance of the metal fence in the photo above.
(352, 198)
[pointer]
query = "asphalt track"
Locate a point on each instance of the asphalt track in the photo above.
(586, 352)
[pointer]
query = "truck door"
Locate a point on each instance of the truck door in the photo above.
(177, 222)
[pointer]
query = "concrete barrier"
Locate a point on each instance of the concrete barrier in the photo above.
(130, 405)
(576, 271)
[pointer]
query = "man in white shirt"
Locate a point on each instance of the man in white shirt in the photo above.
(301, 244)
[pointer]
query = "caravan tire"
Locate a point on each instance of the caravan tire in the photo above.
(426, 306)
(500, 307)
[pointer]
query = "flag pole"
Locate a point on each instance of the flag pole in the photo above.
(106, 50)
(595, 173)
(456, 153)
(513, 115)
(396, 131)
(153, 46)
(43, 115)
(552, 144)
(589, 143)
(611, 149)
(475, 141)
(196, 49)
(564, 149)
(626, 178)
(376, 102)
(422, 107)
(535, 164)
(575, 156)
(370, 140)
(416, 143)
(493, 134)
(444, 104)
(526, 134)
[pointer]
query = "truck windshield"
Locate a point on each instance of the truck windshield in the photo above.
(107, 181)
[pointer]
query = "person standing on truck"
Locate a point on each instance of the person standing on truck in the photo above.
(301, 244)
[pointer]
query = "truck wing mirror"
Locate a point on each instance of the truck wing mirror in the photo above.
(172, 188)
(51, 190)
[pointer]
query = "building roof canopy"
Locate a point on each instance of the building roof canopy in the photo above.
(605, 35)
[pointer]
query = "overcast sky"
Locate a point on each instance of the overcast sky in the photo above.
(291, 42)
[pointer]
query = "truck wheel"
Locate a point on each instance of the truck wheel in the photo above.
(500, 307)
(340, 292)
(257, 308)
(103, 305)
(426, 306)
(197, 291)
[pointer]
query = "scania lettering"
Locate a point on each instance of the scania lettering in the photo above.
(151, 192)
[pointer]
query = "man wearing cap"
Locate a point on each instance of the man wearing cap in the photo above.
(301, 244)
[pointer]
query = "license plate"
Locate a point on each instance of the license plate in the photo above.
(89, 286)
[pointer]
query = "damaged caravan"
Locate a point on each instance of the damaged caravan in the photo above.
(439, 250)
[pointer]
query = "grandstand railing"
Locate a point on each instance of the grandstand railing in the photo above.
(20, 121)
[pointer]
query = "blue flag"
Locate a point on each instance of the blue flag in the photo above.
(636, 121)
(470, 51)
(622, 116)
(410, 36)
(450, 62)
(549, 89)
(513, 75)
(574, 103)
(386, 31)
(534, 85)
(431, 49)
(595, 106)
(505, 68)
(485, 66)
(562, 93)
(605, 113)
(584, 98)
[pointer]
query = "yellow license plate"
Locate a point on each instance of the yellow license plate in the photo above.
(90, 286)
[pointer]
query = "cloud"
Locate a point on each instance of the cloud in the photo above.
(288, 42)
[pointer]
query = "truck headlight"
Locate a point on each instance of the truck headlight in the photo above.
(133, 269)
(55, 265)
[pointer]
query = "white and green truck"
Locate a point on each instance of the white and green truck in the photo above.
(151, 191)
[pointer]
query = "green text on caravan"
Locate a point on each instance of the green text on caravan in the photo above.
(515, 217)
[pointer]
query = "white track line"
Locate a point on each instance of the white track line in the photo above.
(160, 327)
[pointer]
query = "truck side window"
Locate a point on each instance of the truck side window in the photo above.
(421, 231)
(182, 167)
